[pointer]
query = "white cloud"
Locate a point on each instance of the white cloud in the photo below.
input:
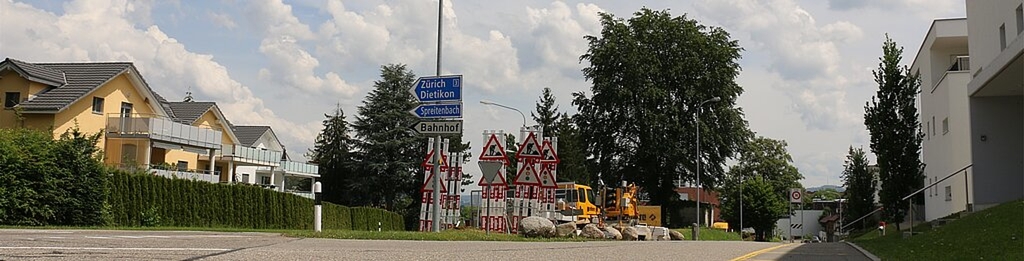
(804, 53)
(222, 20)
(275, 18)
(164, 62)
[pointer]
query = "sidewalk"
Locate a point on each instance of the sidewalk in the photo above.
(812, 251)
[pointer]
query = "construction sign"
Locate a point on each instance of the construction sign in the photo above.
(548, 154)
(493, 150)
(547, 179)
(431, 184)
(427, 162)
(530, 149)
(527, 176)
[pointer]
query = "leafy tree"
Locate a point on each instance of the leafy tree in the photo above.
(891, 118)
(389, 154)
(762, 206)
(767, 161)
(333, 154)
(860, 186)
(572, 154)
(649, 75)
(511, 147)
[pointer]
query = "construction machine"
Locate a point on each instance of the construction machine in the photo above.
(581, 204)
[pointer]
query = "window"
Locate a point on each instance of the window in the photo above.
(949, 193)
(182, 165)
(245, 178)
(1020, 19)
(11, 99)
(927, 132)
(97, 105)
(1002, 37)
(265, 180)
(933, 125)
(945, 126)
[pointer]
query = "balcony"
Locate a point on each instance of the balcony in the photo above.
(300, 168)
(197, 175)
(245, 154)
(158, 128)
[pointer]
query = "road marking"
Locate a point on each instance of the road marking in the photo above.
(98, 237)
(117, 248)
(57, 237)
(762, 251)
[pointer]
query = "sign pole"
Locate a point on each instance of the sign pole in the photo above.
(435, 226)
(317, 208)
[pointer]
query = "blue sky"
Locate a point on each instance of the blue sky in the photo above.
(806, 64)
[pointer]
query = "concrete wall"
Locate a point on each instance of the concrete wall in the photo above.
(984, 19)
(946, 151)
(808, 220)
(999, 158)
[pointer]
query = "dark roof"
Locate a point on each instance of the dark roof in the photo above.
(76, 80)
(247, 135)
(38, 73)
(189, 112)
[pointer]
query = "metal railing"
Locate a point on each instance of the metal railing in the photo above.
(259, 155)
(300, 168)
(161, 128)
(960, 63)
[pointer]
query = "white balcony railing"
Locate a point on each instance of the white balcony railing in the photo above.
(191, 175)
(252, 155)
(961, 63)
(292, 167)
(162, 129)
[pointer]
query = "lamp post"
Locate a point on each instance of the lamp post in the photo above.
(696, 229)
(487, 102)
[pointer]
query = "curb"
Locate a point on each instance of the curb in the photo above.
(862, 251)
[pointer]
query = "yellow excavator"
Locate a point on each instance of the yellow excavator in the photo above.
(578, 203)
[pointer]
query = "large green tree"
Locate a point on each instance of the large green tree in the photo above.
(556, 124)
(546, 113)
(389, 154)
(860, 186)
(891, 118)
(649, 75)
(762, 160)
(762, 206)
(333, 154)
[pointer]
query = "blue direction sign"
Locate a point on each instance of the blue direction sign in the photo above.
(444, 110)
(447, 88)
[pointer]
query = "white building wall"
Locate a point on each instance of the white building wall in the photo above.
(267, 141)
(984, 19)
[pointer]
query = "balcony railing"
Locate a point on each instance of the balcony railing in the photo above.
(292, 167)
(163, 129)
(252, 155)
(961, 63)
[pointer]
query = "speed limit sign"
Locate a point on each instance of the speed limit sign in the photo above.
(795, 195)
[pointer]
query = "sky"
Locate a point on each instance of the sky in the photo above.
(806, 65)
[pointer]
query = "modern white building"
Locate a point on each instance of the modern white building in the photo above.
(972, 108)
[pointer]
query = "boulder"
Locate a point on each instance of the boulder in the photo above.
(659, 233)
(629, 233)
(675, 235)
(565, 230)
(644, 233)
(536, 227)
(612, 233)
(591, 231)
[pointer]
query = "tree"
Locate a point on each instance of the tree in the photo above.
(767, 161)
(828, 194)
(762, 206)
(333, 154)
(891, 119)
(649, 74)
(546, 113)
(389, 154)
(860, 185)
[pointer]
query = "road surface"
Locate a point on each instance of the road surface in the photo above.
(80, 245)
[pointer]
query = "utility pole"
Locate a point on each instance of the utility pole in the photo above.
(436, 206)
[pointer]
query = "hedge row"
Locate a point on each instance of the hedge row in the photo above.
(147, 200)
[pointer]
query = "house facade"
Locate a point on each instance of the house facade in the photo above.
(972, 108)
(141, 130)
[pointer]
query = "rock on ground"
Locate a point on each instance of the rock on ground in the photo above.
(613, 233)
(629, 233)
(565, 230)
(675, 235)
(591, 231)
(644, 232)
(536, 227)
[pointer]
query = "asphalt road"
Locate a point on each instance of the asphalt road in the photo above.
(188, 245)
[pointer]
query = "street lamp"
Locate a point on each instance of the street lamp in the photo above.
(696, 229)
(487, 102)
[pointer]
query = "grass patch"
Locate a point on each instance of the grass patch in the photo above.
(992, 234)
(447, 235)
(708, 234)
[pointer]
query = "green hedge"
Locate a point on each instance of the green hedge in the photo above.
(147, 200)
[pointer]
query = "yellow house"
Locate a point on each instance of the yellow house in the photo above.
(141, 130)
